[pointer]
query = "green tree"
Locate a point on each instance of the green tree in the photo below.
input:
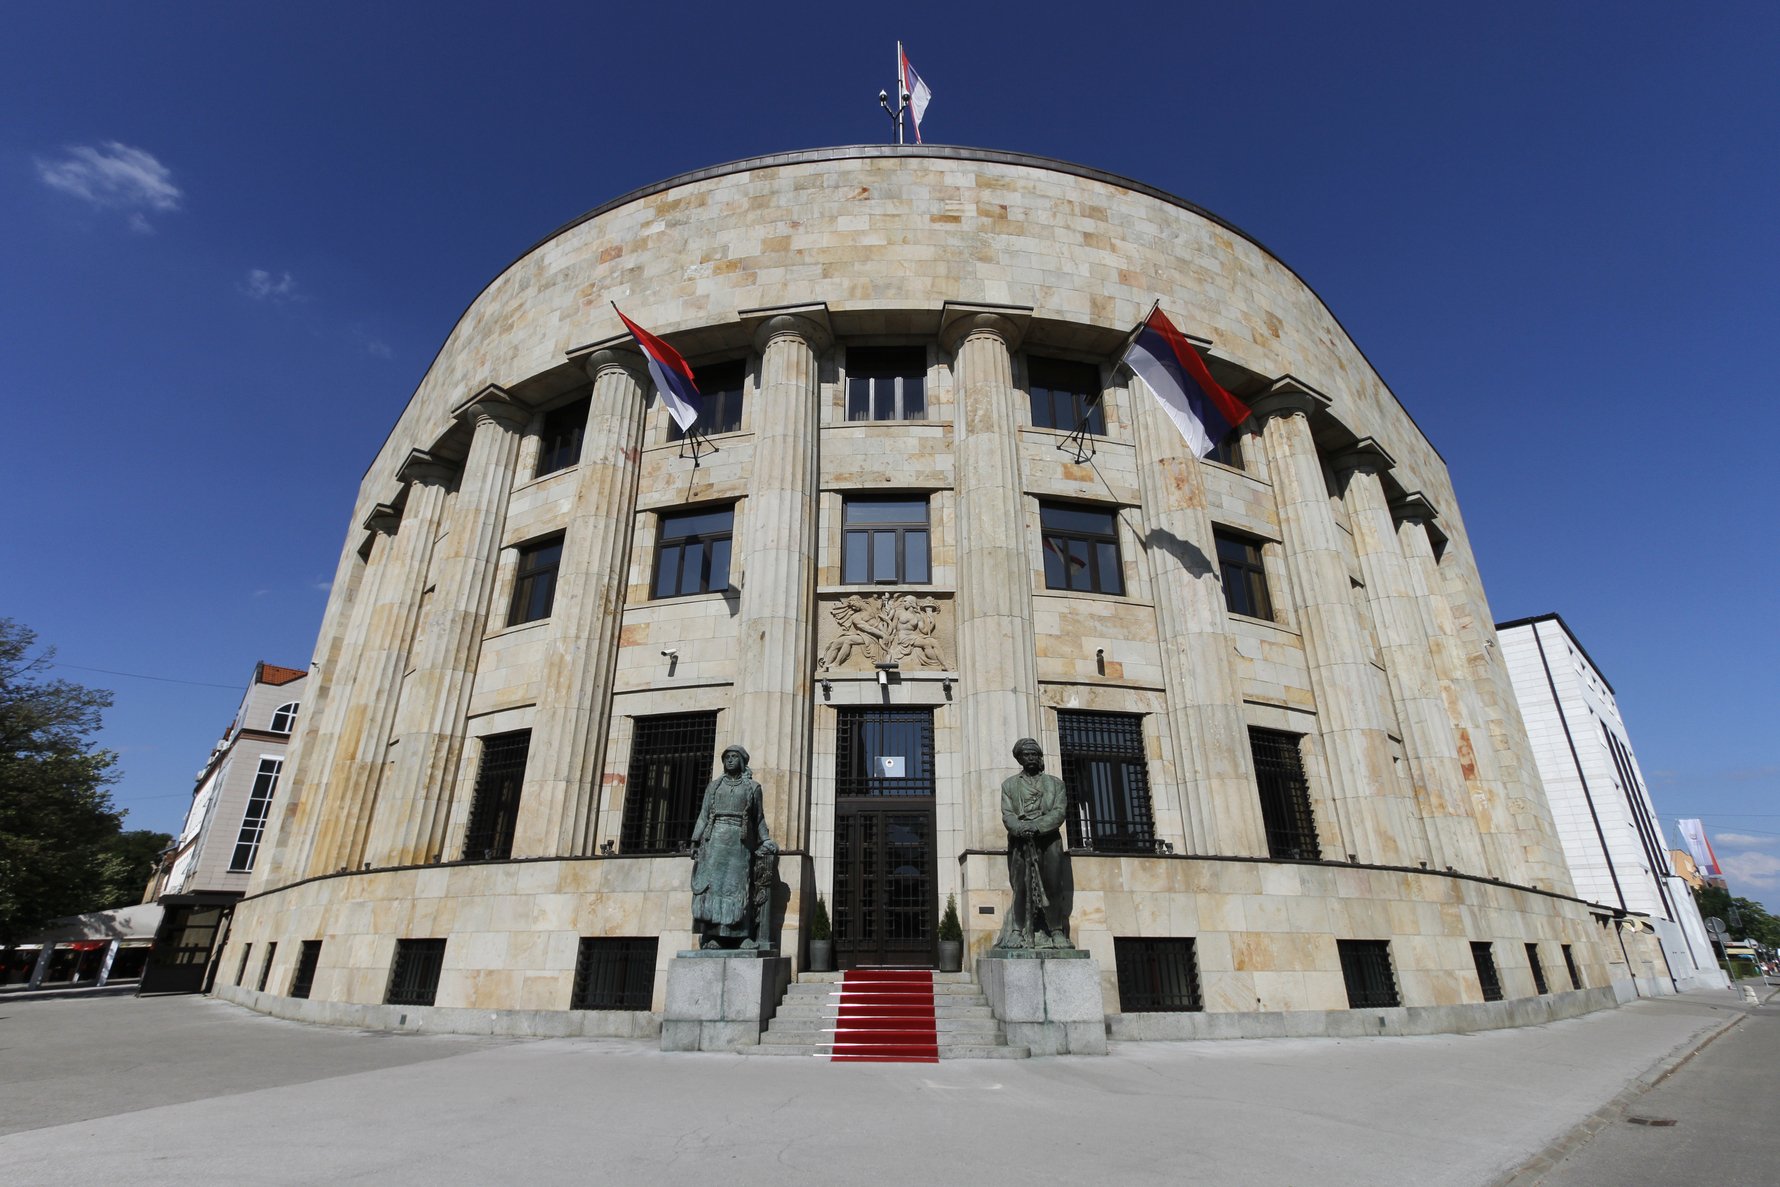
(1743, 917)
(56, 815)
(125, 863)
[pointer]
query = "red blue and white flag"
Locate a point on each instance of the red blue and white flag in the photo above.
(1175, 374)
(673, 378)
(911, 85)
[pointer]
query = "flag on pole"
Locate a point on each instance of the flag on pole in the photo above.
(912, 86)
(1175, 374)
(1693, 834)
(673, 378)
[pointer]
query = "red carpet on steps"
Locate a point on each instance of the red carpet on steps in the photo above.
(886, 1016)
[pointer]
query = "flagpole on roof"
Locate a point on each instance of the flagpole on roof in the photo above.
(902, 97)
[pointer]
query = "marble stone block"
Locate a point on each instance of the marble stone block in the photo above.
(1048, 1001)
(720, 1000)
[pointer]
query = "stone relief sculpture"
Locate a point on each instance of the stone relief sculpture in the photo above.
(886, 628)
(734, 860)
(1033, 805)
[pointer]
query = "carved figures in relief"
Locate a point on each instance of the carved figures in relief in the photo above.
(886, 628)
(1033, 805)
(733, 856)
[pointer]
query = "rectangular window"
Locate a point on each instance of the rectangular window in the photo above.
(303, 980)
(1156, 975)
(614, 974)
(1366, 967)
(1103, 766)
(266, 965)
(1285, 795)
(559, 444)
(1081, 548)
(671, 760)
(241, 969)
(1485, 960)
(884, 542)
(1570, 964)
(414, 974)
(692, 555)
(1538, 969)
(1228, 450)
(253, 822)
(1065, 396)
(494, 809)
(534, 586)
(720, 387)
(887, 383)
(883, 752)
(1243, 574)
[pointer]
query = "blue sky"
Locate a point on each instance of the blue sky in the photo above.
(235, 236)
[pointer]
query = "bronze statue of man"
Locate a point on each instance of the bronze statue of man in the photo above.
(1033, 805)
(729, 841)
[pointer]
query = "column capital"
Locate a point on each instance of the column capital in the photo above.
(1287, 395)
(808, 322)
(494, 403)
(959, 320)
(421, 466)
(617, 353)
(383, 518)
(1413, 508)
(1365, 456)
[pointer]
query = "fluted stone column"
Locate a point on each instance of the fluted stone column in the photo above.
(1370, 803)
(1213, 760)
(560, 800)
(1404, 621)
(997, 650)
(414, 806)
(776, 622)
(359, 758)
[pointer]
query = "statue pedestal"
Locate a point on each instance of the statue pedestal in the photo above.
(1047, 1000)
(721, 999)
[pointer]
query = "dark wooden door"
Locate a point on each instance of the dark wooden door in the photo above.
(884, 886)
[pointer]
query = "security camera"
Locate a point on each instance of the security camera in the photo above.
(883, 96)
(670, 652)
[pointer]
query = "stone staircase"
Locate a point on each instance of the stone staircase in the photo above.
(885, 1016)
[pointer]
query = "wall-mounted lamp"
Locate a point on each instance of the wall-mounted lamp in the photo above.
(945, 683)
(610, 847)
(827, 689)
(1100, 660)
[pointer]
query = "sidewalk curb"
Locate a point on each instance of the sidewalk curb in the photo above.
(1534, 1169)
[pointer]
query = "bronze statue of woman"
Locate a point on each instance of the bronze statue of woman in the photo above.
(729, 834)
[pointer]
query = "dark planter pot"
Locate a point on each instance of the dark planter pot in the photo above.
(821, 956)
(951, 956)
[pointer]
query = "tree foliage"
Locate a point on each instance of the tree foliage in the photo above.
(1744, 918)
(56, 816)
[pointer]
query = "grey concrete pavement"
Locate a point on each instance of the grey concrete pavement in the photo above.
(187, 1090)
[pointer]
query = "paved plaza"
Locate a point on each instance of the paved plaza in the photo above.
(183, 1090)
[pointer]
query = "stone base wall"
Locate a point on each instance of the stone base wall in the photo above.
(1344, 1024)
(525, 1024)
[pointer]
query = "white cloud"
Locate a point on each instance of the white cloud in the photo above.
(261, 285)
(114, 176)
(372, 344)
(1751, 869)
(1743, 839)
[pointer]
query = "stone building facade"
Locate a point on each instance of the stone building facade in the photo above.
(932, 515)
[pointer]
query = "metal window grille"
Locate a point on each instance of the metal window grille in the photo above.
(1107, 776)
(559, 445)
(1065, 396)
(414, 974)
(303, 980)
(692, 553)
(1570, 964)
(720, 388)
(1538, 969)
(253, 821)
(1485, 960)
(1366, 967)
(1081, 548)
(1157, 975)
(284, 718)
(266, 966)
(495, 807)
(534, 586)
(884, 752)
(1244, 575)
(887, 383)
(241, 969)
(884, 542)
(615, 974)
(1285, 795)
(671, 759)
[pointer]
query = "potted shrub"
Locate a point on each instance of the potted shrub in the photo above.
(821, 940)
(951, 938)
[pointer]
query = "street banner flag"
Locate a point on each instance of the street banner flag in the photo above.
(673, 378)
(1175, 374)
(1693, 834)
(914, 88)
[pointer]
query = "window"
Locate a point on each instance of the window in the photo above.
(266, 965)
(1244, 576)
(1108, 780)
(414, 974)
(720, 387)
(887, 383)
(614, 974)
(534, 587)
(559, 444)
(303, 980)
(1570, 964)
(1065, 396)
(241, 969)
(284, 718)
(1156, 976)
(1538, 969)
(1081, 548)
(883, 752)
(671, 759)
(693, 553)
(1485, 960)
(495, 806)
(884, 542)
(1229, 449)
(253, 821)
(1366, 967)
(1285, 795)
